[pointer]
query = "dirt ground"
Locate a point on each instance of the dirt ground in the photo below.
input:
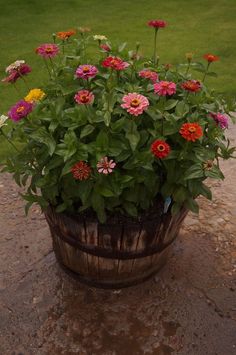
(189, 308)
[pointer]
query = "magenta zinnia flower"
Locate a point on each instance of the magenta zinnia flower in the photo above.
(220, 119)
(84, 97)
(164, 88)
(135, 103)
(157, 23)
(16, 73)
(105, 166)
(148, 74)
(47, 50)
(86, 71)
(20, 110)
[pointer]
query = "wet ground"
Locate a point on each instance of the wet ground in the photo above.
(189, 308)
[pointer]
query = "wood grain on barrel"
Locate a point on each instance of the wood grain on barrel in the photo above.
(113, 254)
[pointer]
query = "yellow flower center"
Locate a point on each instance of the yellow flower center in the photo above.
(135, 103)
(165, 84)
(86, 69)
(20, 109)
(84, 98)
(160, 147)
(48, 49)
(192, 129)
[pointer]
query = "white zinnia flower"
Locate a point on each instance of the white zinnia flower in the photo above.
(14, 65)
(3, 119)
(99, 38)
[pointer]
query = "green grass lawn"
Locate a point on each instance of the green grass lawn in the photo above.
(201, 26)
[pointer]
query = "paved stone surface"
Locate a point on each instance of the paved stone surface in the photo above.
(189, 308)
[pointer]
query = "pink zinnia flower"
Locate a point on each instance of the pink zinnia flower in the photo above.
(20, 110)
(84, 97)
(148, 74)
(47, 50)
(164, 88)
(157, 23)
(15, 74)
(86, 71)
(105, 166)
(115, 63)
(105, 47)
(135, 103)
(220, 119)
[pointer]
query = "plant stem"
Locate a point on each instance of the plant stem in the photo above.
(16, 88)
(48, 69)
(188, 67)
(26, 84)
(206, 72)
(9, 141)
(52, 64)
(155, 47)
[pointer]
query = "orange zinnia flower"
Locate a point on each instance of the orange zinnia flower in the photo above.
(211, 58)
(191, 85)
(65, 34)
(191, 131)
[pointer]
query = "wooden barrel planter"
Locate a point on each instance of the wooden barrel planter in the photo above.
(120, 253)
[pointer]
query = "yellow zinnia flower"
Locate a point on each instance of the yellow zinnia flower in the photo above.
(35, 95)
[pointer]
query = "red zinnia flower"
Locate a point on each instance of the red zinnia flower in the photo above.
(211, 58)
(157, 23)
(115, 63)
(81, 171)
(191, 131)
(160, 149)
(192, 85)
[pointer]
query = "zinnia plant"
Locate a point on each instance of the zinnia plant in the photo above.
(114, 132)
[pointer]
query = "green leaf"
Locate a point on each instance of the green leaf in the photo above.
(42, 136)
(84, 190)
(133, 136)
(119, 124)
(213, 74)
(102, 140)
(182, 108)
(205, 191)
(175, 208)
(180, 194)
(194, 172)
(86, 130)
(192, 205)
(214, 173)
(122, 46)
(107, 118)
(170, 104)
(130, 209)
(99, 206)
